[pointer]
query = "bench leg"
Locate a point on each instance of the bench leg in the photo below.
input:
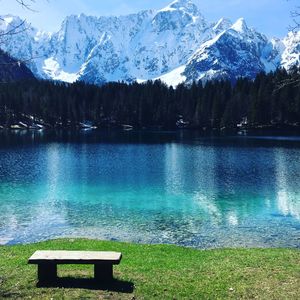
(103, 272)
(47, 272)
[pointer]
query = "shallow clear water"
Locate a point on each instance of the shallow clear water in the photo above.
(179, 188)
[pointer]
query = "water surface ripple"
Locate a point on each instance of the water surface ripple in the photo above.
(179, 188)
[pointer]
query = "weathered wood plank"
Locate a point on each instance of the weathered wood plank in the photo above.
(75, 257)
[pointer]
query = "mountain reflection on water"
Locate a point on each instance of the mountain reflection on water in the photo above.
(150, 187)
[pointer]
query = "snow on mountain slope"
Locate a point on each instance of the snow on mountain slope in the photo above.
(164, 41)
(236, 52)
(174, 77)
(173, 44)
(222, 25)
(53, 70)
(291, 54)
(21, 44)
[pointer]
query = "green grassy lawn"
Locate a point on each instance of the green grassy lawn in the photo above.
(158, 272)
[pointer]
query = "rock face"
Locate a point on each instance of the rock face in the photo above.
(235, 52)
(12, 70)
(175, 44)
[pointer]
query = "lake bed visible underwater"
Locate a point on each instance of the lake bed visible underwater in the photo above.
(150, 187)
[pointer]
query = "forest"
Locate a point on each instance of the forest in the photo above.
(270, 100)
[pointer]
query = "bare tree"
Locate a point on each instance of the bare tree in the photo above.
(18, 28)
(295, 73)
(295, 14)
(15, 30)
(25, 3)
(294, 79)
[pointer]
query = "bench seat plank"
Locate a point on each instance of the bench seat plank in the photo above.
(75, 257)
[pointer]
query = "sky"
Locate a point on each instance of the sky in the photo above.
(271, 17)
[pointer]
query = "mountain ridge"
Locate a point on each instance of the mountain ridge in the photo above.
(175, 44)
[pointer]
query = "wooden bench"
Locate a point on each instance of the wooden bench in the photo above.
(47, 262)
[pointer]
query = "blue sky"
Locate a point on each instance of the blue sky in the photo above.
(271, 17)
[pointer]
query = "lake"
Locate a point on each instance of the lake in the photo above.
(150, 187)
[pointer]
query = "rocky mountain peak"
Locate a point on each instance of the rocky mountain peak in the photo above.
(174, 44)
(184, 5)
(221, 25)
(240, 26)
(177, 15)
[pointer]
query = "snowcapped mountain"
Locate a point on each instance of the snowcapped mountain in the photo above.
(290, 54)
(175, 44)
(146, 45)
(236, 51)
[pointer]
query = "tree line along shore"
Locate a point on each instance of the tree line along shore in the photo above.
(269, 101)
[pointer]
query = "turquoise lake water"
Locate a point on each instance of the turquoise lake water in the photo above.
(171, 187)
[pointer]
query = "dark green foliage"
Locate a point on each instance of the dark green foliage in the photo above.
(214, 105)
(12, 70)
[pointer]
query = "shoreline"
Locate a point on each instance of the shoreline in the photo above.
(94, 239)
(41, 125)
(262, 130)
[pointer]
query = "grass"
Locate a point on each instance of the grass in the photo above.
(159, 272)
